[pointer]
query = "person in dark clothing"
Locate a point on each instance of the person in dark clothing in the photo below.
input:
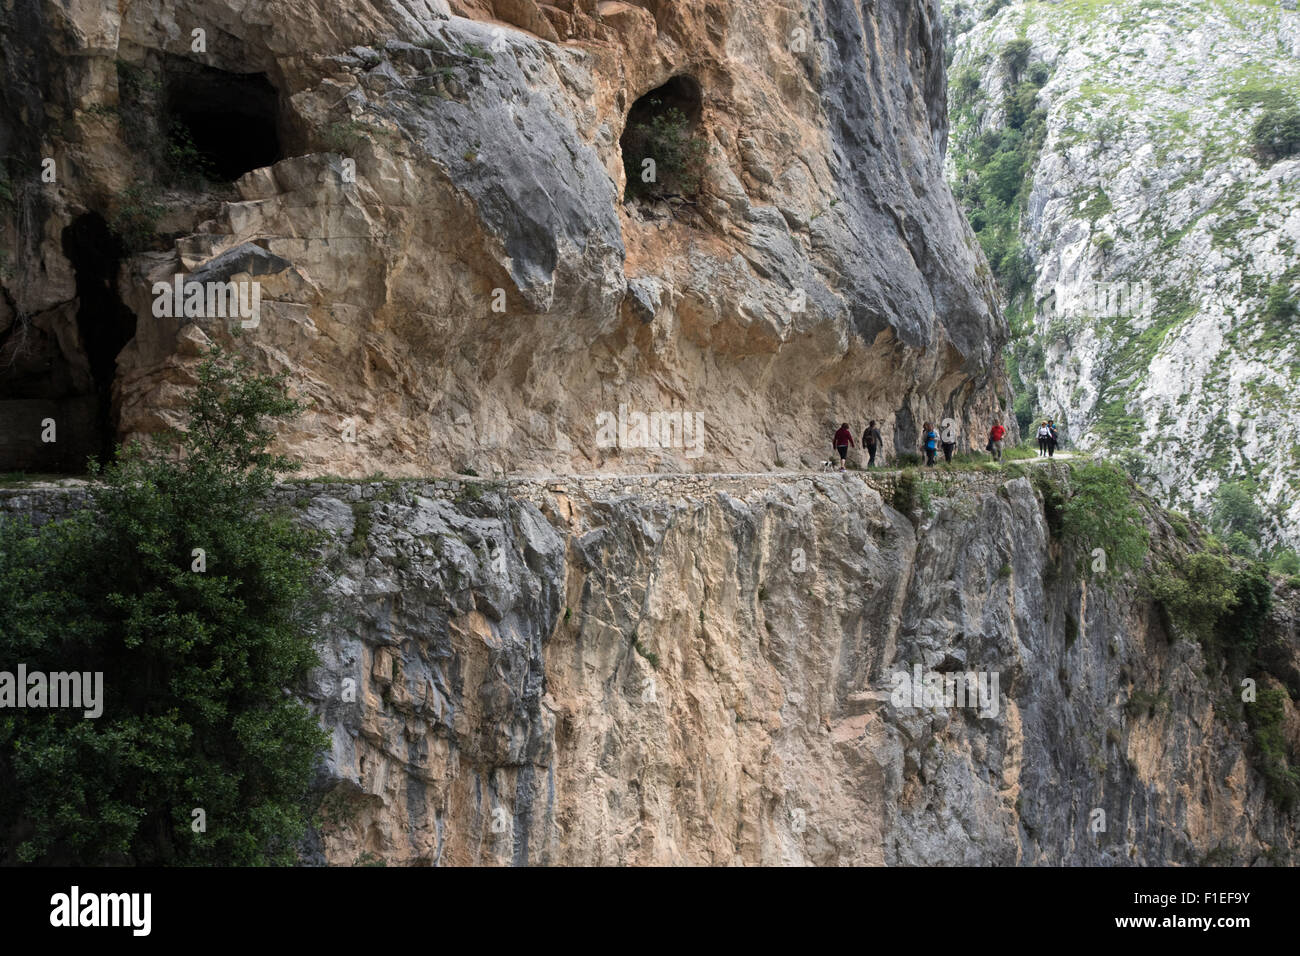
(929, 442)
(948, 448)
(1052, 438)
(871, 441)
(843, 439)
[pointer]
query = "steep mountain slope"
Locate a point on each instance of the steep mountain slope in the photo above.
(1143, 229)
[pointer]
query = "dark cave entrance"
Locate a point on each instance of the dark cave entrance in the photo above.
(663, 126)
(106, 325)
(220, 124)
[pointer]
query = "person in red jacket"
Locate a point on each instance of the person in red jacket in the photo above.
(843, 439)
(996, 434)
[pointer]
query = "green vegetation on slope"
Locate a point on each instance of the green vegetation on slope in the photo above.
(200, 613)
(1201, 591)
(994, 168)
(993, 181)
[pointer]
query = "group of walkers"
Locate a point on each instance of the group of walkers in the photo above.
(1048, 438)
(871, 442)
(931, 442)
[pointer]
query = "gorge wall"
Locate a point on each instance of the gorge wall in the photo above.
(694, 671)
(667, 672)
(432, 201)
(1145, 171)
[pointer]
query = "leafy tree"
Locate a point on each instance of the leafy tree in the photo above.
(966, 83)
(1003, 177)
(1021, 103)
(1194, 592)
(1234, 511)
(1015, 57)
(1284, 562)
(1219, 602)
(198, 662)
(1024, 409)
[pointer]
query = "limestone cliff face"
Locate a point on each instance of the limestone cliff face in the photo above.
(1149, 175)
(690, 670)
(673, 671)
(432, 202)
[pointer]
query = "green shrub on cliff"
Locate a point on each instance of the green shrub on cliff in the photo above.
(1266, 716)
(1276, 134)
(912, 493)
(1094, 508)
(199, 609)
(667, 140)
(1193, 592)
(1100, 513)
(1214, 599)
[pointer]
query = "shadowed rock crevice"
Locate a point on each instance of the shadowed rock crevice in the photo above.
(228, 119)
(105, 324)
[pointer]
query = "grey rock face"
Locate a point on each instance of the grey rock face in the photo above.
(697, 676)
(888, 185)
(722, 672)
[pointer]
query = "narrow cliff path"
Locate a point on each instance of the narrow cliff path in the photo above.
(18, 483)
(786, 473)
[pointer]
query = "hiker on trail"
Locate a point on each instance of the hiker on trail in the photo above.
(1052, 438)
(948, 446)
(1043, 437)
(843, 439)
(996, 434)
(871, 441)
(929, 442)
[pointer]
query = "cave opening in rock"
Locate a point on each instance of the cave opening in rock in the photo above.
(221, 124)
(663, 151)
(104, 322)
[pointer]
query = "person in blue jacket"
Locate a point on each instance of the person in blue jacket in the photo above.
(929, 442)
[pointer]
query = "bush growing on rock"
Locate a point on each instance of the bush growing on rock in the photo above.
(1280, 306)
(1015, 57)
(678, 154)
(198, 652)
(1276, 134)
(1100, 513)
(1267, 716)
